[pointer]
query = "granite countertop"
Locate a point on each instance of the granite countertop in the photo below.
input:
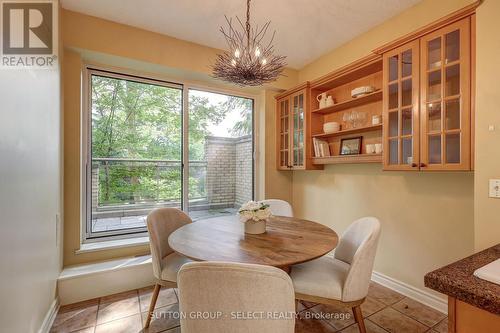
(457, 280)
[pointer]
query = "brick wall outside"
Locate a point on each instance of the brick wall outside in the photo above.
(244, 151)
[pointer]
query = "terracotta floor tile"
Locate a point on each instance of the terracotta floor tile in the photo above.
(306, 324)
(442, 326)
(418, 311)
(370, 306)
(383, 294)
(370, 328)
(166, 297)
(118, 306)
(304, 305)
(396, 322)
(174, 330)
(76, 316)
(85, 330)
(132, 324)
(338, 317)
(163, 319)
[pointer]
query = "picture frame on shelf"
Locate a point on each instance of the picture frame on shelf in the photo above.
(351, 146)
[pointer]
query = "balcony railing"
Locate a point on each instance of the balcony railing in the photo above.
(131, 183)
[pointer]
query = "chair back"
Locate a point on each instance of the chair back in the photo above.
(357, 247)
(279, 207)
(161, 223)
(229, 290)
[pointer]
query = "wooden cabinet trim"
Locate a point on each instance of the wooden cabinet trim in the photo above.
(438, 24)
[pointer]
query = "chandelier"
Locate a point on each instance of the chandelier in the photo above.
(249, 61)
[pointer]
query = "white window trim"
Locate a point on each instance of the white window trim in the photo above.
(134, 239)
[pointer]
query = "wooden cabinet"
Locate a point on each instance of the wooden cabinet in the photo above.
(401, 108)
(291, 129)
(426, 104)
(445, 98)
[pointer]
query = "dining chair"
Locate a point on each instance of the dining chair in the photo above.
(229, 292)
(161, 223)
(279, 207)
(344, 279)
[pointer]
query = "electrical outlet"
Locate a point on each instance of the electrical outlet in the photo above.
(495, 188)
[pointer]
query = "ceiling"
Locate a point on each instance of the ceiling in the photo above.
(305, 29)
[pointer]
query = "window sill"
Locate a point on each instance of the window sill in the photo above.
(112, 244)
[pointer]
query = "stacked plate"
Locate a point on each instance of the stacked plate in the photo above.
(360, 91)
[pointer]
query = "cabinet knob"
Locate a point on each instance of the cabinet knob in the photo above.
(414, 165)
(423, 165)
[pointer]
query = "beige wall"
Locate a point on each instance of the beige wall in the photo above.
(427, 219)
(486, 217)
(90, 39)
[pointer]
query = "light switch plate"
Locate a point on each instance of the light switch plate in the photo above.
(494, 188)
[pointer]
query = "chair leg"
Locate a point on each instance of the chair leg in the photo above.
(358, 316)
(152, 305)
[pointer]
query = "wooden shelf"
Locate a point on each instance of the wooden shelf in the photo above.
(349, 159)
(349, 131)
(365, 99)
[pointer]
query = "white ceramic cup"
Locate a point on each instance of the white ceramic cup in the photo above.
(376, 120)
(370, 149)
(378, 148)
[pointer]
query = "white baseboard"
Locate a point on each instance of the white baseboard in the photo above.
(83, 282)
(417, 294)
(49, 317)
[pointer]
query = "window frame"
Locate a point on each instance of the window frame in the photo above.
(86, 136)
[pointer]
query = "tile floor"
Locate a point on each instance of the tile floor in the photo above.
(384, 311)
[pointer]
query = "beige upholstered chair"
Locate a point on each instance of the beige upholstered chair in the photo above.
(279, 207)
(166, 263)
(345, 278)
(229, 290)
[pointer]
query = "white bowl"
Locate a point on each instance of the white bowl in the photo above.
(331, 127)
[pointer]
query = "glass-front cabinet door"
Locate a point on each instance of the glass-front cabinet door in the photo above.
(298, 130)
(401, 108)
(283, 130)
(445, 98)
(290, 121)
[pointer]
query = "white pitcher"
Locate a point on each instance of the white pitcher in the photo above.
(322, 100)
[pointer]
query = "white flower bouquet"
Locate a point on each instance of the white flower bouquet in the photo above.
(254, 211)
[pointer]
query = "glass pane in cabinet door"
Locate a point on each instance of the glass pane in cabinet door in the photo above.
(407, 151)
(453, 148)
(453, 114)
(434, 53)
(295, 157)
(406, 63)
(393, 151)
(453, 80)
(434, 85)
(452, 46)
(285, 140)
(393, 68)
(393, 96)
(406, 122)
(393, 124)
(301, 158)
(434, 116)
(295, 139)
(435, 149)
(406, 93)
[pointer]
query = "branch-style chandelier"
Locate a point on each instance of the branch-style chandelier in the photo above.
(249, 61)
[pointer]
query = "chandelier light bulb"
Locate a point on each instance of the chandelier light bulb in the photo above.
(264, 61)
(257, 52)
(233, 63)
(237, 53)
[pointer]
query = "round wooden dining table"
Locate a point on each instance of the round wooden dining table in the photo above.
(287, 241)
